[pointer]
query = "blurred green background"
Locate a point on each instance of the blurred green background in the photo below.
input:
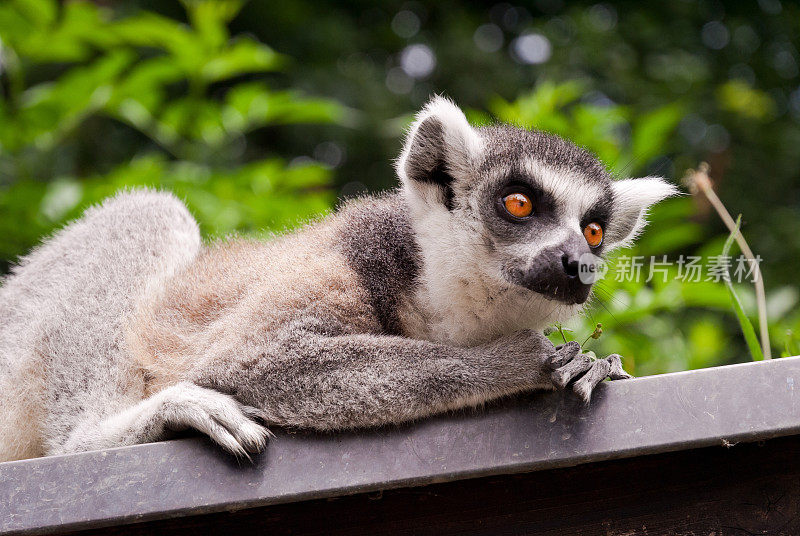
(263, 114)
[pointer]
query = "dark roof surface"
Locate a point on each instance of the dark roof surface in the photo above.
(747, 402)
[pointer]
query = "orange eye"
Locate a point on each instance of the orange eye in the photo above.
(518, 205)
(593, 234)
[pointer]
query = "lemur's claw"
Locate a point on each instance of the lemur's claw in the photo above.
(617, 373)
(584, 372)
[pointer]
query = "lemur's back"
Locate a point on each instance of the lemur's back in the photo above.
(241, 289)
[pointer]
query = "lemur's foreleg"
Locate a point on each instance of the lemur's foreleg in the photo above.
(323, 382)
(184, 405)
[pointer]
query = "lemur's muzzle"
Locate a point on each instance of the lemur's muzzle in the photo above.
(555, 272)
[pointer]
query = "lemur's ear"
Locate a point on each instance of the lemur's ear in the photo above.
(439, 149)
(632, 199)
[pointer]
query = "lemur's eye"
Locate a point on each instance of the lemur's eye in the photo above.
(518, 205)
(593, 234)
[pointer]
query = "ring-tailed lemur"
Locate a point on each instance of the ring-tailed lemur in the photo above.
(122, 326)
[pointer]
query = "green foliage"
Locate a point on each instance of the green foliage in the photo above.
(158, 77)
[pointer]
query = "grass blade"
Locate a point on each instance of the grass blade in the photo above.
(747, 328)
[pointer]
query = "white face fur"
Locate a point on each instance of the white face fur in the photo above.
(486, 271)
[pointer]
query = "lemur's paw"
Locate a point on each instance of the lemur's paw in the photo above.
(228, 423)
(582, 370)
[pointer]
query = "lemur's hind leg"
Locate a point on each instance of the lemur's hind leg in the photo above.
(65, 370)
(177, 407)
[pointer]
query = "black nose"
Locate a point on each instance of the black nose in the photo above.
(570, 265)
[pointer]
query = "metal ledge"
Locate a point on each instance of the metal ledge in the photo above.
(724, 405)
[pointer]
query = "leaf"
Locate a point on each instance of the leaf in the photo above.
(50, 110)
(154, 31)
(676, 237)
(706, 339)
(738, 97)
(542, 108)
(652, 130)
(194, 119)
(744, 322)
(88, 23)
(41, 12)
(243, 56)
(209, 19)
(253, 105)
(32, 30)
(146, 83)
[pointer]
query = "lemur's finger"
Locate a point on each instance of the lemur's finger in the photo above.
(234, 418)
(580, 364)
(252, 436)
(203, 422)
(564, 354)
(586, 384)
(616, 372)
(227, 440)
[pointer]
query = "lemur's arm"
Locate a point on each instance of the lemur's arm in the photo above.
(334, 382)
(330, 382)
(326, 382)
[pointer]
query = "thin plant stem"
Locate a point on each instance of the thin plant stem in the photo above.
(698, 180)
(598, 330)
(560, 329)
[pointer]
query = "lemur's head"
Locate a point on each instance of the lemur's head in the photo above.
(527, 207)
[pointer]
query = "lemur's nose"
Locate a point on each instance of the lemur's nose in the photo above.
(570, 264)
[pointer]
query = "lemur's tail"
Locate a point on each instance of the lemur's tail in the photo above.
(13, 322)
(63, 312)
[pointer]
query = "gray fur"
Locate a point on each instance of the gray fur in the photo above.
(379, 245)
(509, 145)
(123, 328)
